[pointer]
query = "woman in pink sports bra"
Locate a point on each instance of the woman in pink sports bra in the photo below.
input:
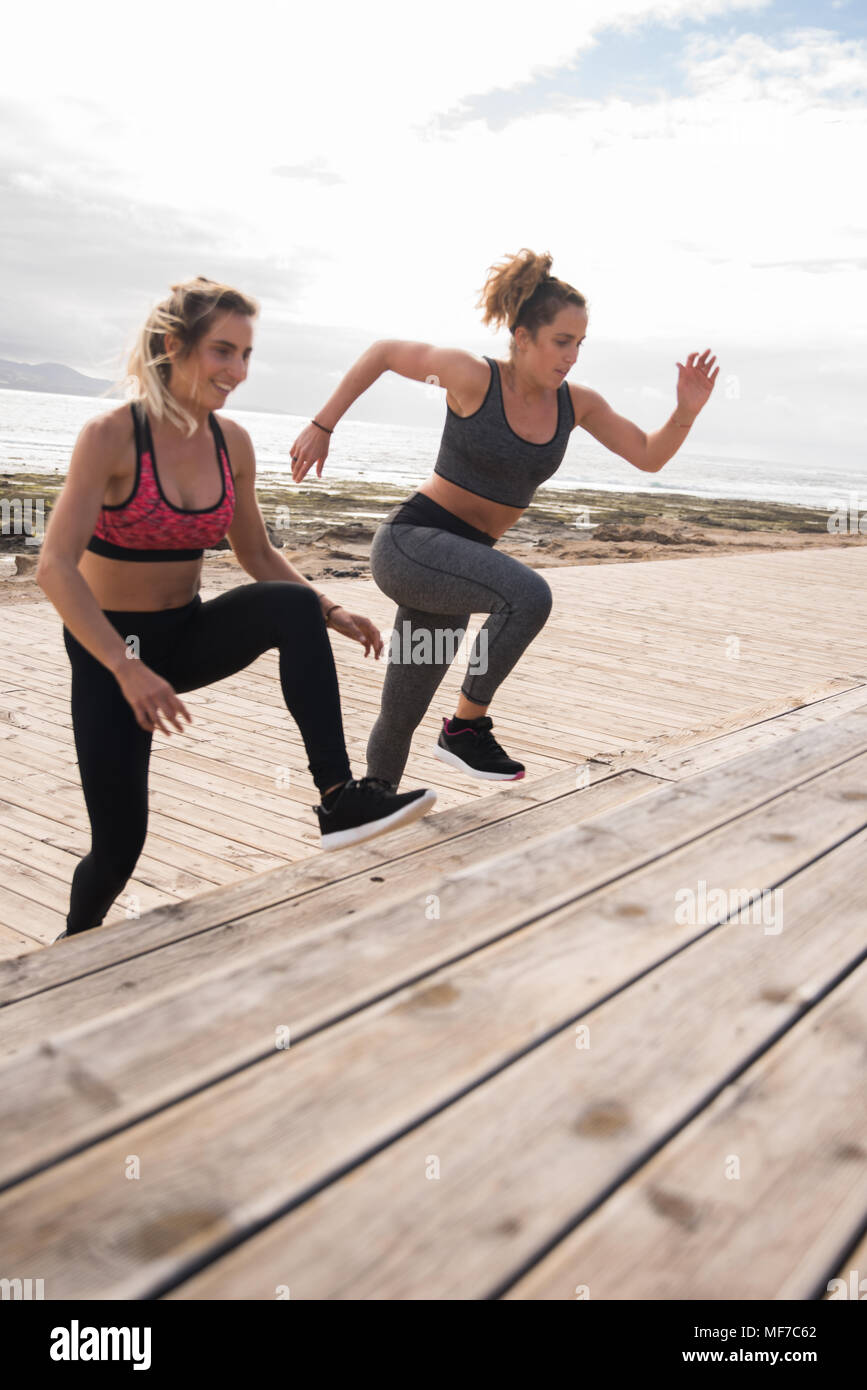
(150, 486)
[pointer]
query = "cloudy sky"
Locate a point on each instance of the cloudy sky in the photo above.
(695, 167)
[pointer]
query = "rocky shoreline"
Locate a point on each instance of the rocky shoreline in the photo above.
(326, 529)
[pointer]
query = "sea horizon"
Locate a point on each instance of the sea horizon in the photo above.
(38, 430)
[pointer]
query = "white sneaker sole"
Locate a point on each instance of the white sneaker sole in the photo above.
(452, 758)
(338, 839)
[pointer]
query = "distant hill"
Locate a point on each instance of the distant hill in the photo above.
(49, 376)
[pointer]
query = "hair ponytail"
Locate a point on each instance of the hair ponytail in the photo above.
(521, 292)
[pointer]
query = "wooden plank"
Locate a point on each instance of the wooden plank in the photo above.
(556, 652)
(207, 810)
(38, 829)
(720, 747)
(432, 1040)
(34, 884)
(557, 645)
(602, 848)
(699, 757)
(53, 722)
(678, 629)
(586, 734)
(584, 1116)
(287, 803)
(193, 879)
(593, 646)
(153, 883)
(256, 788)
(35, 864)
(15, 945)
(316, 871)
(248, 941)
(32, 920)
(16, 738)
(754, 1198)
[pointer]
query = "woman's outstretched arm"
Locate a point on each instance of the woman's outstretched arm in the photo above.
(650, 452)
(452, 368)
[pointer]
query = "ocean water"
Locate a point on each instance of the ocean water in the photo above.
(38, 431)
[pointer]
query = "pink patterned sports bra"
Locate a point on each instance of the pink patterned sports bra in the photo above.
(149, 527)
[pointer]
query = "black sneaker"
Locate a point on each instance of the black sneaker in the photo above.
(368, 806)
(475, 750)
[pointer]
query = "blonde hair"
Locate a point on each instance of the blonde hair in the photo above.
(521, 292)
(188, 313)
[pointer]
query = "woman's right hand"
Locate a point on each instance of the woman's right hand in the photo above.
(150, 697)
(310, 447)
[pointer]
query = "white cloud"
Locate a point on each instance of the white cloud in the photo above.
(814, 66)
(299, 152)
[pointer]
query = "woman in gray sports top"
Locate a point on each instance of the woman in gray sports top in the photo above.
(506, 430)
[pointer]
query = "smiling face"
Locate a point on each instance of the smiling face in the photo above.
(555, 350)
(216, 365)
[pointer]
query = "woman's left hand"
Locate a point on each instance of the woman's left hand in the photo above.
(695, 381)
(359, 628)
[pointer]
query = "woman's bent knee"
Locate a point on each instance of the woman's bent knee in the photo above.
(539, 598)
(288, 593)
(289, 604)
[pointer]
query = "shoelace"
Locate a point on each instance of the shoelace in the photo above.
(486, 741)
(368, 785)
(373, 783)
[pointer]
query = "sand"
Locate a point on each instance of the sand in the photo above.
(330, 528)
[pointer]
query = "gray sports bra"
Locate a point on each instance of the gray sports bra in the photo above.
(482, 453)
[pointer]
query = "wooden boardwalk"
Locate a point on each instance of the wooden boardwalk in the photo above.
(567, 1041)
(635, 658)
(596, 1034)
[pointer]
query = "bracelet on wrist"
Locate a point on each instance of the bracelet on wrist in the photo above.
(331, 610)
(321, 427)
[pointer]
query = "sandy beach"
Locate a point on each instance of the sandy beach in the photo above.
(326, 529)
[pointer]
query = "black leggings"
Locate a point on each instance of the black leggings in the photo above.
(190, 647)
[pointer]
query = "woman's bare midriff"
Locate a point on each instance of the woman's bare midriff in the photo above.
(130, 586)
(491, 517)
(494, 518)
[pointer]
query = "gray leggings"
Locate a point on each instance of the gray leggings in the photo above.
(438, 580)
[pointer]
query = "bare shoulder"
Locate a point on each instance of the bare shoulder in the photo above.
(469, 377)
(463, 374)
(583, 400)
(232, 430)
(112, 429)
(105, 446)
(239, 445)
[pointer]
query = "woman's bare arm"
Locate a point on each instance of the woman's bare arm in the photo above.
(649, 452)
(70, 526)
(461, 373)
(645, 451)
